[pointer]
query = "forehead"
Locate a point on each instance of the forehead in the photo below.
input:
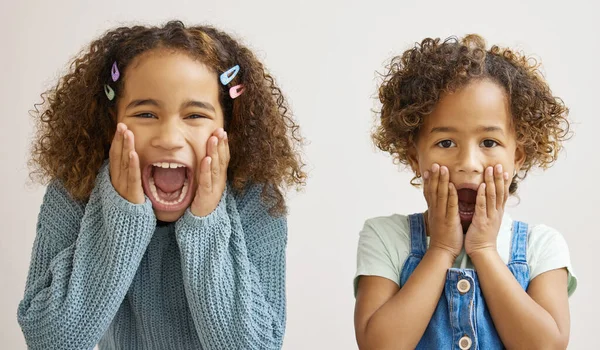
(480, 103)
(162, 73)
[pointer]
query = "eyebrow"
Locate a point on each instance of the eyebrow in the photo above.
(199, 104)
(186, 104)
(441, 129)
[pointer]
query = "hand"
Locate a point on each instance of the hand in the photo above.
(211, 174)
(125, 174)
(489, 210)
(443, 221)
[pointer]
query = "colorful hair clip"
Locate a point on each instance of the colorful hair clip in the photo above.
(228, 76)
(110, 93)
(114, 72)
(236, 91)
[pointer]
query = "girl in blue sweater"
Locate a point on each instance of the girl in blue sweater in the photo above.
(167, 151)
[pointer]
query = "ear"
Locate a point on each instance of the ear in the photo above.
(519, 157)
(413, 159)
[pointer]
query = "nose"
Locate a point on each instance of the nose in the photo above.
(470, 160)
(168, 136)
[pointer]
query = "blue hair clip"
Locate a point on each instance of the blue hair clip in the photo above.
(228, 76)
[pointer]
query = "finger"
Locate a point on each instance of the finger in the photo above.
(204, 177)
(227, 153)
(426, 178)
(221, 151)
(433, 184)
(116, 148)
(127, 148)
(480, 201)
(452, 211)
(507, 182)
(134, 181)
(499, 183)
(490, 191)
(213, 153)
(442, 195)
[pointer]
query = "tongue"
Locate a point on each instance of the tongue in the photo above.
(467, 195)
(466, 207)
(169, 180)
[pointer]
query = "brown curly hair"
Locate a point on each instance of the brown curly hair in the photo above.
(76, 121)
(415, 81)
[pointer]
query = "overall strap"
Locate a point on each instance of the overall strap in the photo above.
(518, 247)
(418, 238)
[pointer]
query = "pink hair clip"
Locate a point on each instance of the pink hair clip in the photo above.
(236, 91)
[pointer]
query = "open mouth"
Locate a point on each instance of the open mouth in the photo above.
(466, 204)
(167, 184)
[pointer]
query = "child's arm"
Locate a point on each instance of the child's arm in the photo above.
(233, 264)
(84, 259)
(536, 319)
(387, 317)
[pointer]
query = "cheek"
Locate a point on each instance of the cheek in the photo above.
(198, 138)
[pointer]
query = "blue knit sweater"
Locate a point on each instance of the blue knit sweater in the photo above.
(102, 272)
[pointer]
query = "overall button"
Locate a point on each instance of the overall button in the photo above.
(465, 343)
(463, 286)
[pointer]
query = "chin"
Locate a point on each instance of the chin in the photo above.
(169, 216)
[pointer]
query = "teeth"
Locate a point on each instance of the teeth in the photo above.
(167, 165)
(154, 191)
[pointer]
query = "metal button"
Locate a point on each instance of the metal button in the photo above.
(463, 286)
(465, 343)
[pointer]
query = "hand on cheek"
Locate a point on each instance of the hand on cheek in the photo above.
(489, 210)
(124, 163)
(443, 221)
(211, 174)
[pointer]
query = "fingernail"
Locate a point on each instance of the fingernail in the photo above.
(505, 176)
(435, 168)
(426, 175)
(499, 168)
(489, 171)
(225, 137)
(443, 170)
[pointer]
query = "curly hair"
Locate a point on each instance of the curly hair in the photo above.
(76, 122)
(415, 81)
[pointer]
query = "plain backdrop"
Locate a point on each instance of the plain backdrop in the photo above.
(324, 54)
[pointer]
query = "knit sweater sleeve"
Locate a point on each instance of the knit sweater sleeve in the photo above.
(83, 261)
(233, 264)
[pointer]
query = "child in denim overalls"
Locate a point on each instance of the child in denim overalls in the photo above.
(470, 122)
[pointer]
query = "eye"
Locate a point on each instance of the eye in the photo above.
(196, 116)
(489, 143)
(445, 144)
(145, 115)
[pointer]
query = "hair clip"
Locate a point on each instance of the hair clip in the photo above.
(228, 76)
(110, 93)
(114, 72)
(236, 91)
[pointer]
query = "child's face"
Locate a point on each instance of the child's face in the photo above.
(468, 131)
(171, 104)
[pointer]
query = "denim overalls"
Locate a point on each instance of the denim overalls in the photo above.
(461, 319)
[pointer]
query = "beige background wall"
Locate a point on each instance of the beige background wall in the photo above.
(324, 54)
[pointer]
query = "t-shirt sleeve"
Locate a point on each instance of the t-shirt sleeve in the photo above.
(382, 248)
(548, 251)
